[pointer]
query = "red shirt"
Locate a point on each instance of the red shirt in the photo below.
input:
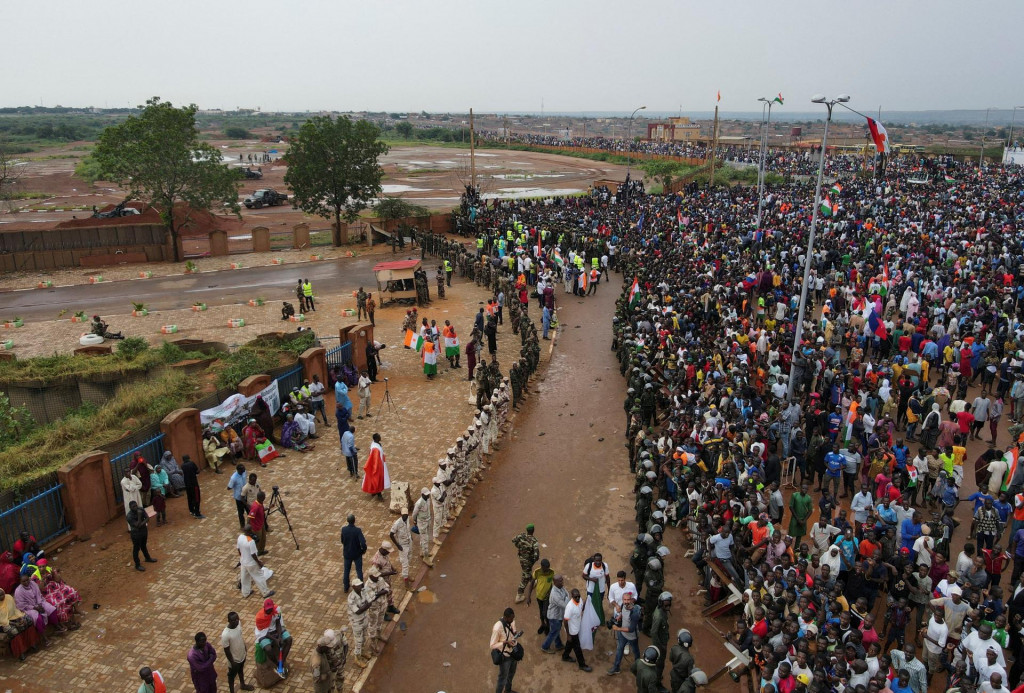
(964, 419)
(994, 562)
(760, 628)
(257, 516)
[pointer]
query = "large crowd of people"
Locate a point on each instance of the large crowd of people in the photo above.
(912, 349)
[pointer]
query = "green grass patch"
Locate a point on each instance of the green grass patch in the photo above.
(134, 406)
(29, 195)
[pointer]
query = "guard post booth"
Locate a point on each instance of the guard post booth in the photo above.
(395, 281)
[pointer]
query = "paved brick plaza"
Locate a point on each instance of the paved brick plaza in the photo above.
(148, 619)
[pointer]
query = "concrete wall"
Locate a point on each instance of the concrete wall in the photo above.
(88, 493)
(183, 435)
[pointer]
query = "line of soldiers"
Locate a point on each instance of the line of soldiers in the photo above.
(367, 607)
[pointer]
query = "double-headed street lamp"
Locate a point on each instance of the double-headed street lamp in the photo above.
(765, 123)
(1009, 138)
(798, 333)
(981, 156)
(629, 140)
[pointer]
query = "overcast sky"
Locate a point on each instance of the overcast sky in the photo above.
(576, 55)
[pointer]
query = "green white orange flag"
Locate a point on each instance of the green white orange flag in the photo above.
(778, 99)
(634, 293)
(826, 207)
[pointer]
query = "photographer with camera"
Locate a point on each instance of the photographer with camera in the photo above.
(625, 624)
(506, 652)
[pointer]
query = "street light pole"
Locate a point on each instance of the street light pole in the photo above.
(798, 332)
(629, 140)
(981, 156)
(1009, 138)
(764, 151)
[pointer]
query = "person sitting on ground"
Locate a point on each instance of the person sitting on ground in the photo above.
(10, 573)
(291, 436)
(174, 473)
(229, 437)
(14, 622)
(252, 435)
(213, 450)
(102, 329)
(306, 423)
(26, 543)
(287, 310)
(63, 597)
(29, 599)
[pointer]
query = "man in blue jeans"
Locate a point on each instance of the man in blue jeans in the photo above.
(624, 627)
(557, 599)
(353, 547)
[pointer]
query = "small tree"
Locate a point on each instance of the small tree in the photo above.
(10, 175)
(333, 168)
(404, 129)
(389, 208)
(158, 157)
(236, 133)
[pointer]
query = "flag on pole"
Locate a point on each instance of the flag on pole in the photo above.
(719, 95)
(640, 223)
(634, 294)
(879, 135)
(826, 207)
(778, 99)
(837, 188)
(885, 273)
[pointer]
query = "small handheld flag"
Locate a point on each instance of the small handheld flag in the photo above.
(826, 207)
(837, 188)
(634, 293)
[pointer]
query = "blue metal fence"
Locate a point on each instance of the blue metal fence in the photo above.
(152, 450)
(42, 516)
(339, 355)
(286, 381)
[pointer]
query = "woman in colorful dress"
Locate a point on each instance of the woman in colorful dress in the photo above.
(63, 596)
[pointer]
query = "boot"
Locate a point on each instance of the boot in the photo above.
(360, 662)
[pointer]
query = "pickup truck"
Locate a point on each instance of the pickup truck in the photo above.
(266, 197)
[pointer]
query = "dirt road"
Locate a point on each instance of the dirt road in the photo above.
(276, 282)
(563, 469)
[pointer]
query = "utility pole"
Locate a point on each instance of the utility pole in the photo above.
(472, 152)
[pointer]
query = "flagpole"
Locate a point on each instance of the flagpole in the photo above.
(798, 332)
(714, 146)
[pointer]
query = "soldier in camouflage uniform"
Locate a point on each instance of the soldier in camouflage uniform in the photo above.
(528, 549)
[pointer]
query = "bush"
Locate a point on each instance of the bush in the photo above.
(15, 422)
(237, 133)
(130, 348)
(404, 129)
(89, 170)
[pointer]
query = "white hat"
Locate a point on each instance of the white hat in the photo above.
(955, 589)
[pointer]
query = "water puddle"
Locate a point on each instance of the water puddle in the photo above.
(426, 597)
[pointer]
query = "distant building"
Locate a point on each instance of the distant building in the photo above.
(673, 130)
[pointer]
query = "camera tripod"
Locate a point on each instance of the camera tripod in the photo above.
(388, 400)
(277, 503)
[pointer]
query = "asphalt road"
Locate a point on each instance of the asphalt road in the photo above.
(273, 282)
